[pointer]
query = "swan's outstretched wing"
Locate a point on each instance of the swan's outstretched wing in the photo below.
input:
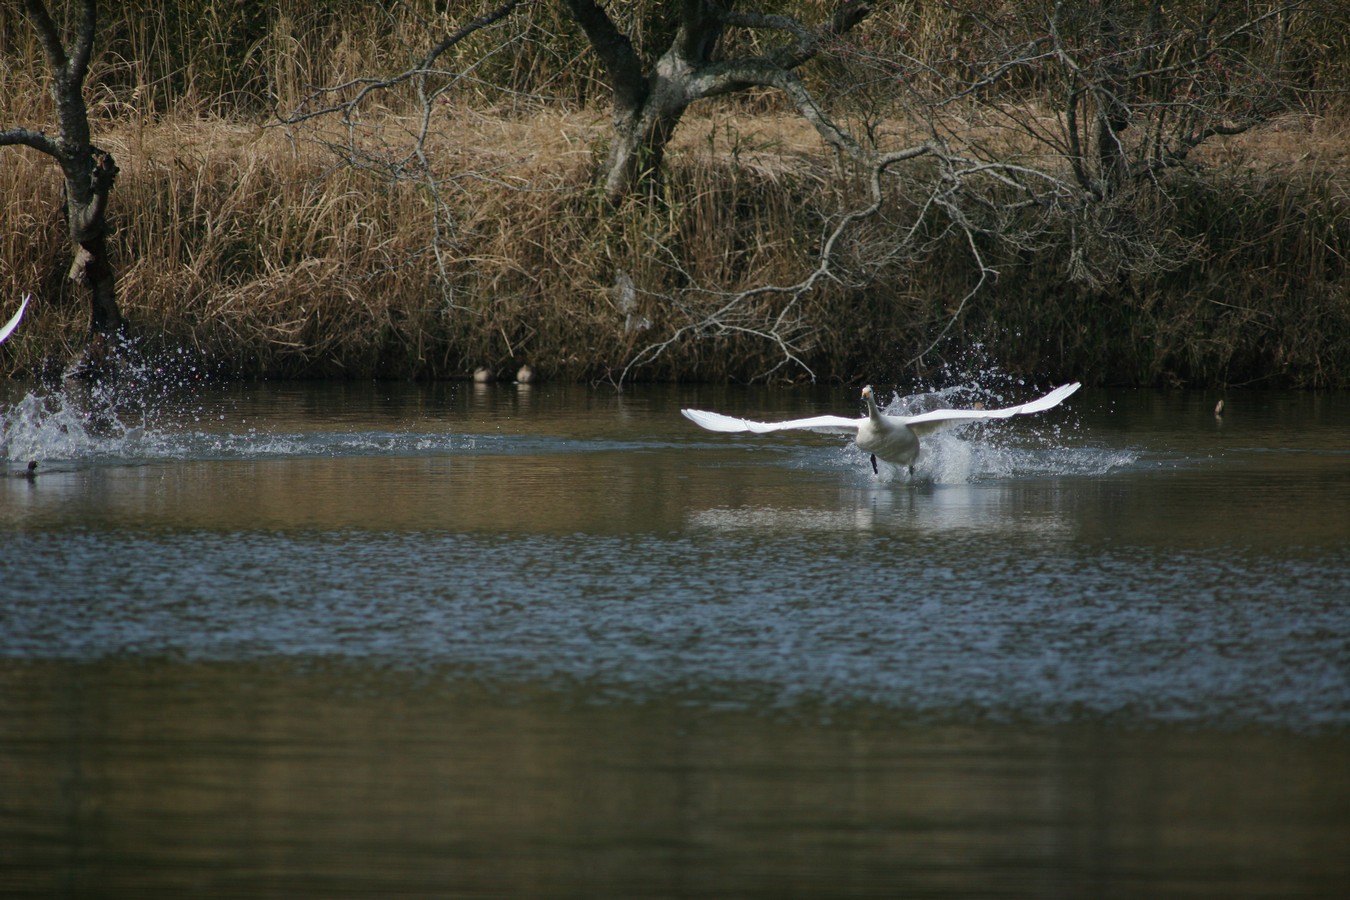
(929, 422)
(718, 422)
(14, 322)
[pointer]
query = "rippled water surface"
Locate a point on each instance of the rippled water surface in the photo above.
(465, 640)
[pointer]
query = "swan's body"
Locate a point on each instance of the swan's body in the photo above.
(14, 322)
(892, 439)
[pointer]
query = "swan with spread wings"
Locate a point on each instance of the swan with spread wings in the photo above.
(892, 439)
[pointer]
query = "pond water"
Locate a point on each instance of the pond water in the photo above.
(459, 640)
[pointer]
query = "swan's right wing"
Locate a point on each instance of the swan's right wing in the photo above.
(14, 322)
(718, 422)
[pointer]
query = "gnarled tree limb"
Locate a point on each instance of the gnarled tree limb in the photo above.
(90, 173)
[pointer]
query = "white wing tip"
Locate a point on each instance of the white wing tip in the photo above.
(1052, 399)
(714, 421)
(8, 328)
(1068, 389)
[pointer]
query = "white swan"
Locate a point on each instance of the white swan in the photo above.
(14, 322)
(893, 439)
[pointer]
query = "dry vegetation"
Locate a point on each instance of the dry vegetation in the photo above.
(256, 249)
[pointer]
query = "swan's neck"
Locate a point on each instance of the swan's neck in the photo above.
(872, 412)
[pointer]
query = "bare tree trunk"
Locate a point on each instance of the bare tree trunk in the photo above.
(650, 99)
(642, 130)
(1113, 112)
(89, 176)
(647, 106)
(88, 182)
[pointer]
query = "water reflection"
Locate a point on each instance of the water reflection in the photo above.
(342, 639)
(154, 778)
(1026, 509)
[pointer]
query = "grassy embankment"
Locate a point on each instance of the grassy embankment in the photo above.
(252, 249)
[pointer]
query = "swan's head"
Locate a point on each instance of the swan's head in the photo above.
(867, 393)
(870, 399)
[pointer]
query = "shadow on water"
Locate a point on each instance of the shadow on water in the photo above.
(454, 640)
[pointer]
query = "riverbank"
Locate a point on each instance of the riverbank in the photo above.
(249, 249)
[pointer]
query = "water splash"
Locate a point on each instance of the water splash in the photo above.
(65, 427)
(48, 427)
(1024, 447)
(953, 458)
(92, 419)
(44, 426)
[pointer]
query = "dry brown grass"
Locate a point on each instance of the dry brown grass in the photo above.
(257, 251)
(249, 247)
(1291, 145)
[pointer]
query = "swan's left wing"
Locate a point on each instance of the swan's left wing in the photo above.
(718, 422)
(14, 322)
(927, 423)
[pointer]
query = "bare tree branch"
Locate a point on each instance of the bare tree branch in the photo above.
(808, 41)
(402, 155)
(84, 42)
(49, 35)
(613, 47)
(948, 192)
(19, 136)
(369, 85)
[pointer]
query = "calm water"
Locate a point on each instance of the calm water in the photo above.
(379, 640)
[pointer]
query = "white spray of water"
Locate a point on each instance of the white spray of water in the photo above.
(85, 421)
(1030, 447)
(54, 427)
(46, 426)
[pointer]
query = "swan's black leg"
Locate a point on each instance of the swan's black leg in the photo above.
(875, 470)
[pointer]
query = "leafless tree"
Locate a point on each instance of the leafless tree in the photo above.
(1106, 99)
(1042, 122)
(89, 172)
(1036, 119)
(651, 90)
(1141, 85)
(363, 146)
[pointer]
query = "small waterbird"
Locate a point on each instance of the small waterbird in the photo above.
(30, 473)
(892, 439)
